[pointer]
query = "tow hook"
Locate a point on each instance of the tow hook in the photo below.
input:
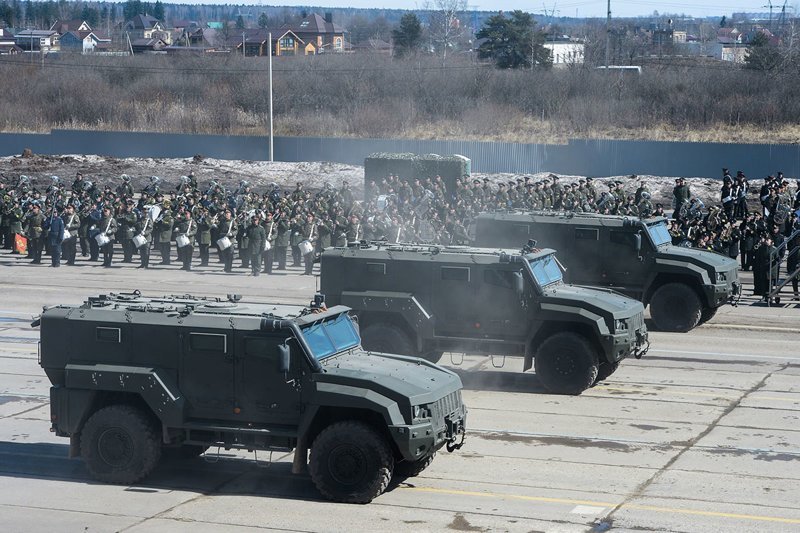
(453, 445)
(639, 353)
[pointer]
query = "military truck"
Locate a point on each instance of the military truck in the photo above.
(426, 300)
(134, 377)
(684, 287)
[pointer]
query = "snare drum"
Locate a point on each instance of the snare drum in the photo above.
(139, 241)
(267, 246)
(102, 239)
(224, 243)
(305, 247)
(182, 241)
(66, 236)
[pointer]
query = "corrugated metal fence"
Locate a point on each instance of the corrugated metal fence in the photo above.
(580, 157)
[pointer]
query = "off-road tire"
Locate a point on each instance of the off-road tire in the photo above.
(566, 363)
(707, 314)
(605, 370)
(408, 469)
(120, 444)
(387, 338)
(675, 307)
(350, 462)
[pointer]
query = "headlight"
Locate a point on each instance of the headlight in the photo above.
(420, 412)
(620, 325)
(722, 277)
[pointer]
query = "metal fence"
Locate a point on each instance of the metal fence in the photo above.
(579, 157)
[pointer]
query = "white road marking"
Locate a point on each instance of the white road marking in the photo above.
(725, 354)
(587, 510)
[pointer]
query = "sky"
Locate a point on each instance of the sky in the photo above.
(564, 8)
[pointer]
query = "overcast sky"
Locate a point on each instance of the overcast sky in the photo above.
(564, 8)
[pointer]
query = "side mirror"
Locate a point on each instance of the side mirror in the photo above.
(284, 358)
(519, 282)
(637, 242)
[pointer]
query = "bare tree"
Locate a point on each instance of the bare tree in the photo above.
(444, 24)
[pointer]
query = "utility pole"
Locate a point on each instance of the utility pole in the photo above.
(244, 45)
(271, 147)
(608, 35)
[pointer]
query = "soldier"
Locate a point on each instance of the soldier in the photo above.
(144, 228)
(270, 228)
(186, 228)
(124, 189)
(256, 237)
(310, 235)
(243, 241)
(15, 219)
(296, 237)
(55, 235)
(108, 227)
(72, 223)
(78, 184)
(126, 222)
(204, 235)
(727, 196)
(227, 228)
(681, 196)
(165, 222)
(353, 231)
(34, 223)
(282, 239)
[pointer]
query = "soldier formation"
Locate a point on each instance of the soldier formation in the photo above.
(263, 229)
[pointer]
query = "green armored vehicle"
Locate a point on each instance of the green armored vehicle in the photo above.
(135, 376)
(426, 300)
(684, 287)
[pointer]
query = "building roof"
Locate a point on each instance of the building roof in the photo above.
(35, 33)
(64, 26)
(313, 23)
(147, 43)
(143, 22)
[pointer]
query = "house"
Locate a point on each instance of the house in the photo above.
(147, 27)
(566, 52)
(148, 46)
(37, 40)
(7, 46)
(256, 42)
(733, 52)
(319, 35)
(83, 42)
(373, 46)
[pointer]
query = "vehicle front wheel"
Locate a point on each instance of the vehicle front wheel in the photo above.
(387, 338)
(406, 469)
(119, 444)
(566, 363)
(675, 307)
(605, 370)
(351, 463)
(707, 314)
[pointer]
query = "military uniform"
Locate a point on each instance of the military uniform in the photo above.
(187, 227)
(256, 237)
(126, 224)
(270, 229)
(227, 228)
(34, 224)
(108, 225)
(203, 238)
(144, 227)
(164, 229)
(282, 242)
(72, 223)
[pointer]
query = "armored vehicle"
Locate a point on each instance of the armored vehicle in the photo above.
(135, 376)
(684, 287)
(426, 300)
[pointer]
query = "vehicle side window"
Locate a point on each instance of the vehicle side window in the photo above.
(499, 278)
(256, 347)
(588, 234)
(455, 274)
(622, 237)
(376, 268)
(208, 342)
(109, 335)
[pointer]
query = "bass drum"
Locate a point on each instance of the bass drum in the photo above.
(305, 247)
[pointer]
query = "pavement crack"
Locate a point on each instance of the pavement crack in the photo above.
(604, 524)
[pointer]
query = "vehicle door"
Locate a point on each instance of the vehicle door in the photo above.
(455, 308)
(502, 314)
(584, 261)
(206, 373)
(622, 267)
(264, 394)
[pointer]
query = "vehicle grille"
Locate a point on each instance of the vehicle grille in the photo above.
(444, 407)
(636, 322)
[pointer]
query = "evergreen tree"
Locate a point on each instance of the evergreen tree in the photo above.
(263, 21)
(513, 42)
(158, 10)
(407, 36)
(90, 15)
(762, 55)
(239, 23)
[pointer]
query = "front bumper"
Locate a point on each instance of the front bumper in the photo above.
(415, 441)
(626, 344)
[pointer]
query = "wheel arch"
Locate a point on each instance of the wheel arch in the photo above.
(558, 326)
(668, 277)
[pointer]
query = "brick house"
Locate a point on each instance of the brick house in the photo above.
(147, 27)
(319, 35)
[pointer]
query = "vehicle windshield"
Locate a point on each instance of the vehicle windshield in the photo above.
(659, 233)
(330, 336)
(545, 270)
